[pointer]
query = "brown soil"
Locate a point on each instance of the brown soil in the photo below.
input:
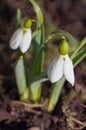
(70, 111)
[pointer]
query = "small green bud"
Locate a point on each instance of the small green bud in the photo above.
(64, 47)
(28, 23)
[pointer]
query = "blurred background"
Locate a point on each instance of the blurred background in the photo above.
(64, 14)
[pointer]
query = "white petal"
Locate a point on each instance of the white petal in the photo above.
(68, 70)
(55, 70)
(26, 41)
(16, 38)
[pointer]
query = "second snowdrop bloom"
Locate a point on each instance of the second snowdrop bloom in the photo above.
(22, 37)
(61, 66)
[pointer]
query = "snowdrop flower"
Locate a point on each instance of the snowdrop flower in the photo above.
(22, 37)
(61, 66)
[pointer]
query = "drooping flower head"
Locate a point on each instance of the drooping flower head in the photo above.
(22, 37)
(62, 65)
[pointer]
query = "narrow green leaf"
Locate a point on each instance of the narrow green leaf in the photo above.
(82, 43)
(79, 57)
(40, 78)
(18, 18)
(38, 55)
(39, 39)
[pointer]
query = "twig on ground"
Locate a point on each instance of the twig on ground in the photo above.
(28, 105)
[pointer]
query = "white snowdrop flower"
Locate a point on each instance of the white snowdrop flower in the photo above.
(61, 66)
(22, 37)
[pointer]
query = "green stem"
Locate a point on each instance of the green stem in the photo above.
(61, 34)
(38, 12)
(55, 93)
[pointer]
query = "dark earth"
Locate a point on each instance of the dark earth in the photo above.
(70, 111)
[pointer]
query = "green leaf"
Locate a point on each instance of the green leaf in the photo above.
(40, 78)
(55, 93)
(82, 43)
(21, 79)
(79, 57)
(18, 18)
(38, 55)
(60, 34)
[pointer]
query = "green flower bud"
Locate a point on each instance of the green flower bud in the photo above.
(64, 47)
(28, 23)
